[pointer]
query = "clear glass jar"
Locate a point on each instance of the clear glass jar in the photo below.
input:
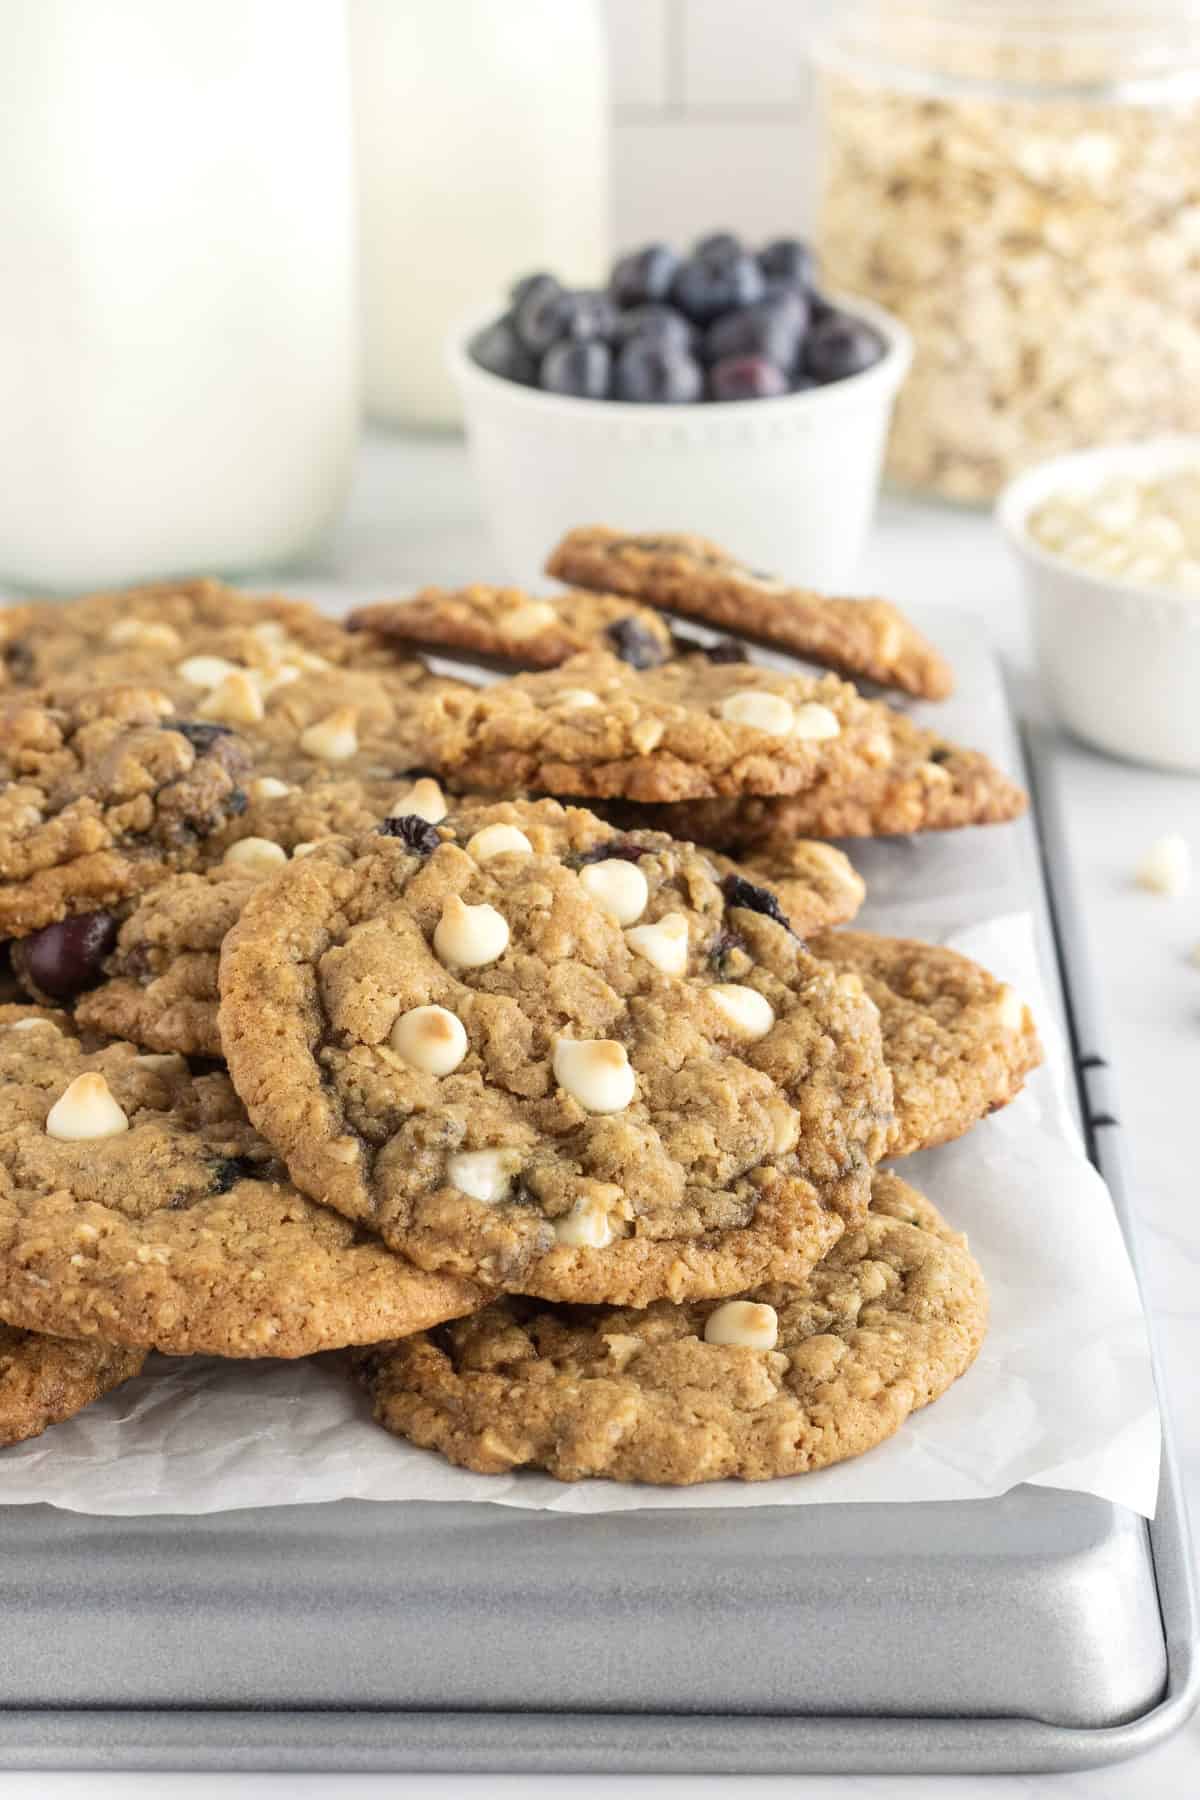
(1021, 185)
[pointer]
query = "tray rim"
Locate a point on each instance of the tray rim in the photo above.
(315, 1740)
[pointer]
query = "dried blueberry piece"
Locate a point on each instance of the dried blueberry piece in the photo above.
(232, 1169)
(636, 645)
(941, 753)
(237, 801)
(416, 833)
(67, 958)
(18, 659)
(740, 892)
(199, 733)
(723, 948)
(622, 849)
(726, 650)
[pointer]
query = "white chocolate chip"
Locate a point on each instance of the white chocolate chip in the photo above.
(498, 840)
(814, 721)
(277, 676)
(485, 1175)
(663, 944)
(268, 788)
(31, 1024)
(168, 1059)
(596, 1072)
(763, 711)
(424, 800)
(617, 886)
(527, 619)
(270, 632)
(785, 1128)
(588, 1225)
(1166, 867)
(207, 671)
(467, 937)
(257, 854)
(647, 735)
(1010, 1009)
(744, 1008)
(429, 1038)
(147, 634)
(576, 699)
(235, 700)
(85, 1109)
(333, 738)
(306, 849)
(745, 1323)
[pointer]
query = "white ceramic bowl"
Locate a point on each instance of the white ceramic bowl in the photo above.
(786, 485)
(1122, 661)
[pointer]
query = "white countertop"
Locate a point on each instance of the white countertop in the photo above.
(412, 518)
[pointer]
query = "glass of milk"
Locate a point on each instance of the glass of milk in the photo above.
(177, 336)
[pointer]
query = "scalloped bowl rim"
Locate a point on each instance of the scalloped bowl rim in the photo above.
(887, 374)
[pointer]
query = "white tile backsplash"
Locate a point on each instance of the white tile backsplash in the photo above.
(712, 115)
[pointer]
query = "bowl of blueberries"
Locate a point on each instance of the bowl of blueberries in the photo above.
(719, 391)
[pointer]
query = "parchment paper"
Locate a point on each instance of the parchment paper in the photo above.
(1062, 1393)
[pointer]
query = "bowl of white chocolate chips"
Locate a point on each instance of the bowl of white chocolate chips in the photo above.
(1109, 540)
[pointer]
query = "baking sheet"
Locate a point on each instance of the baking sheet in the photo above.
(1062, 1394)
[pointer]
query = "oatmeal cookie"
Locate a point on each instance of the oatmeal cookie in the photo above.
(139, 1206)
(958, 1042)
(779, 1381)
(101, 796)
(508, 628)
(44, 1380)
(689, 575)
(693, 729)
(584, 1074)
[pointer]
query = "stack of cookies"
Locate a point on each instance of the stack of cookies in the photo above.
(507, 1035)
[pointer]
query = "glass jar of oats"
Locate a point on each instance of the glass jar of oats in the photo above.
(1020, 183)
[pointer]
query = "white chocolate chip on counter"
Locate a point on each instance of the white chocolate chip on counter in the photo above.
(467, 937)
(423, 800)
(526, 620)
(207, 671)
(745, 1323)
(663, 944)
(258, 854)
(588, 1225)
(146, 634)
(761, 710)
(485, 1175)
(748, 1011)
(617, 886)
(596, 1072)
(1166, 867)
(333, 738)
(815, 722)
(85, 1109)
(498, 840)
(576, 699)
(267, 787)
(429, 1038)
(235, 700)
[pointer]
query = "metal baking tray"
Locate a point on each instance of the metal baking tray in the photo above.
(1042, 1630)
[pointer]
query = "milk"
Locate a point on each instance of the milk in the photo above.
(177, 333)
(482, 153)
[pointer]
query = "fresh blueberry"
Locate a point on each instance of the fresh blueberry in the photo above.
(541, 318)
(819, 308)
(706, 286)
(66, 959)
(591, 313)
(582, 367)
(718, 246)
(523, 286)
(840, 346)
(656, 324)
(746, 378)
(771, 328)
(499, 350)
(644, 274)
(788, 262)
(650, 374)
